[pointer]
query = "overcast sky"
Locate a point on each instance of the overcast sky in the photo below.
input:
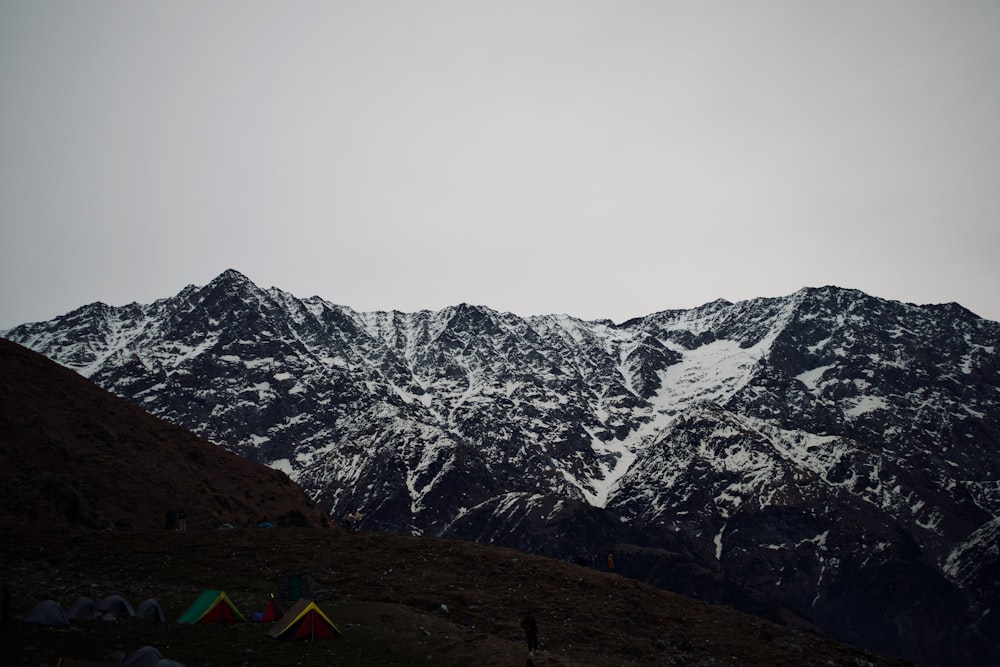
(600, 159)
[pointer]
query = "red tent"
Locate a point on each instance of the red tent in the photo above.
(304, 621)
(273, 611)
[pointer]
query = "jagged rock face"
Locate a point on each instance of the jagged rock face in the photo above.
(836, 451)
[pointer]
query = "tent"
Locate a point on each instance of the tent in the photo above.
(47, 612)
(83, 609)
(304, 621)
(293, 586)
(115, 606)
(146, 656)
(274, 610)
(212, 607)
(150, 610)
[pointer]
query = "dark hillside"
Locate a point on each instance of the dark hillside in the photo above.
(74, 455)
(385, 592)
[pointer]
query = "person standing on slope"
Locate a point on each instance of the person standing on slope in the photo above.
(530, 627)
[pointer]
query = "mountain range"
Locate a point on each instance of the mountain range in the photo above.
(827, 457)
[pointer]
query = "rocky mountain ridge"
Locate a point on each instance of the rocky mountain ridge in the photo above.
(836, 451)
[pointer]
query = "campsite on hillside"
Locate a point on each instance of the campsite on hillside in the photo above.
(392, 600)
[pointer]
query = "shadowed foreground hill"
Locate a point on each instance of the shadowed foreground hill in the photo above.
(74, 455)
(398, 600)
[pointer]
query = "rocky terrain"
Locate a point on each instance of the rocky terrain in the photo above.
(826, 457)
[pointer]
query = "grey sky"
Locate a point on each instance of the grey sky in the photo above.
(601, 159)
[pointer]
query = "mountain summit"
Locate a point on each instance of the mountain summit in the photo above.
(830, 450)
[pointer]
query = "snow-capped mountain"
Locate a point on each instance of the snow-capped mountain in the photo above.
(836, 451)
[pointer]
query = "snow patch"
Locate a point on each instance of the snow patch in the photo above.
(865, 404)
(811, 378)
(285, 466)
(718, 542)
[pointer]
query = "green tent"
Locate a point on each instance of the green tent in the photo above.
(212, 607)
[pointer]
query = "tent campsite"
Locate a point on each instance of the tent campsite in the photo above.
(150, 610)
(304, 621)
(115, 606)
(274, 610)
(47, 612)
(212, 607)
(145, 656)
(84, 609)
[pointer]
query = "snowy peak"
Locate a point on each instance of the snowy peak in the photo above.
(231, 278)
